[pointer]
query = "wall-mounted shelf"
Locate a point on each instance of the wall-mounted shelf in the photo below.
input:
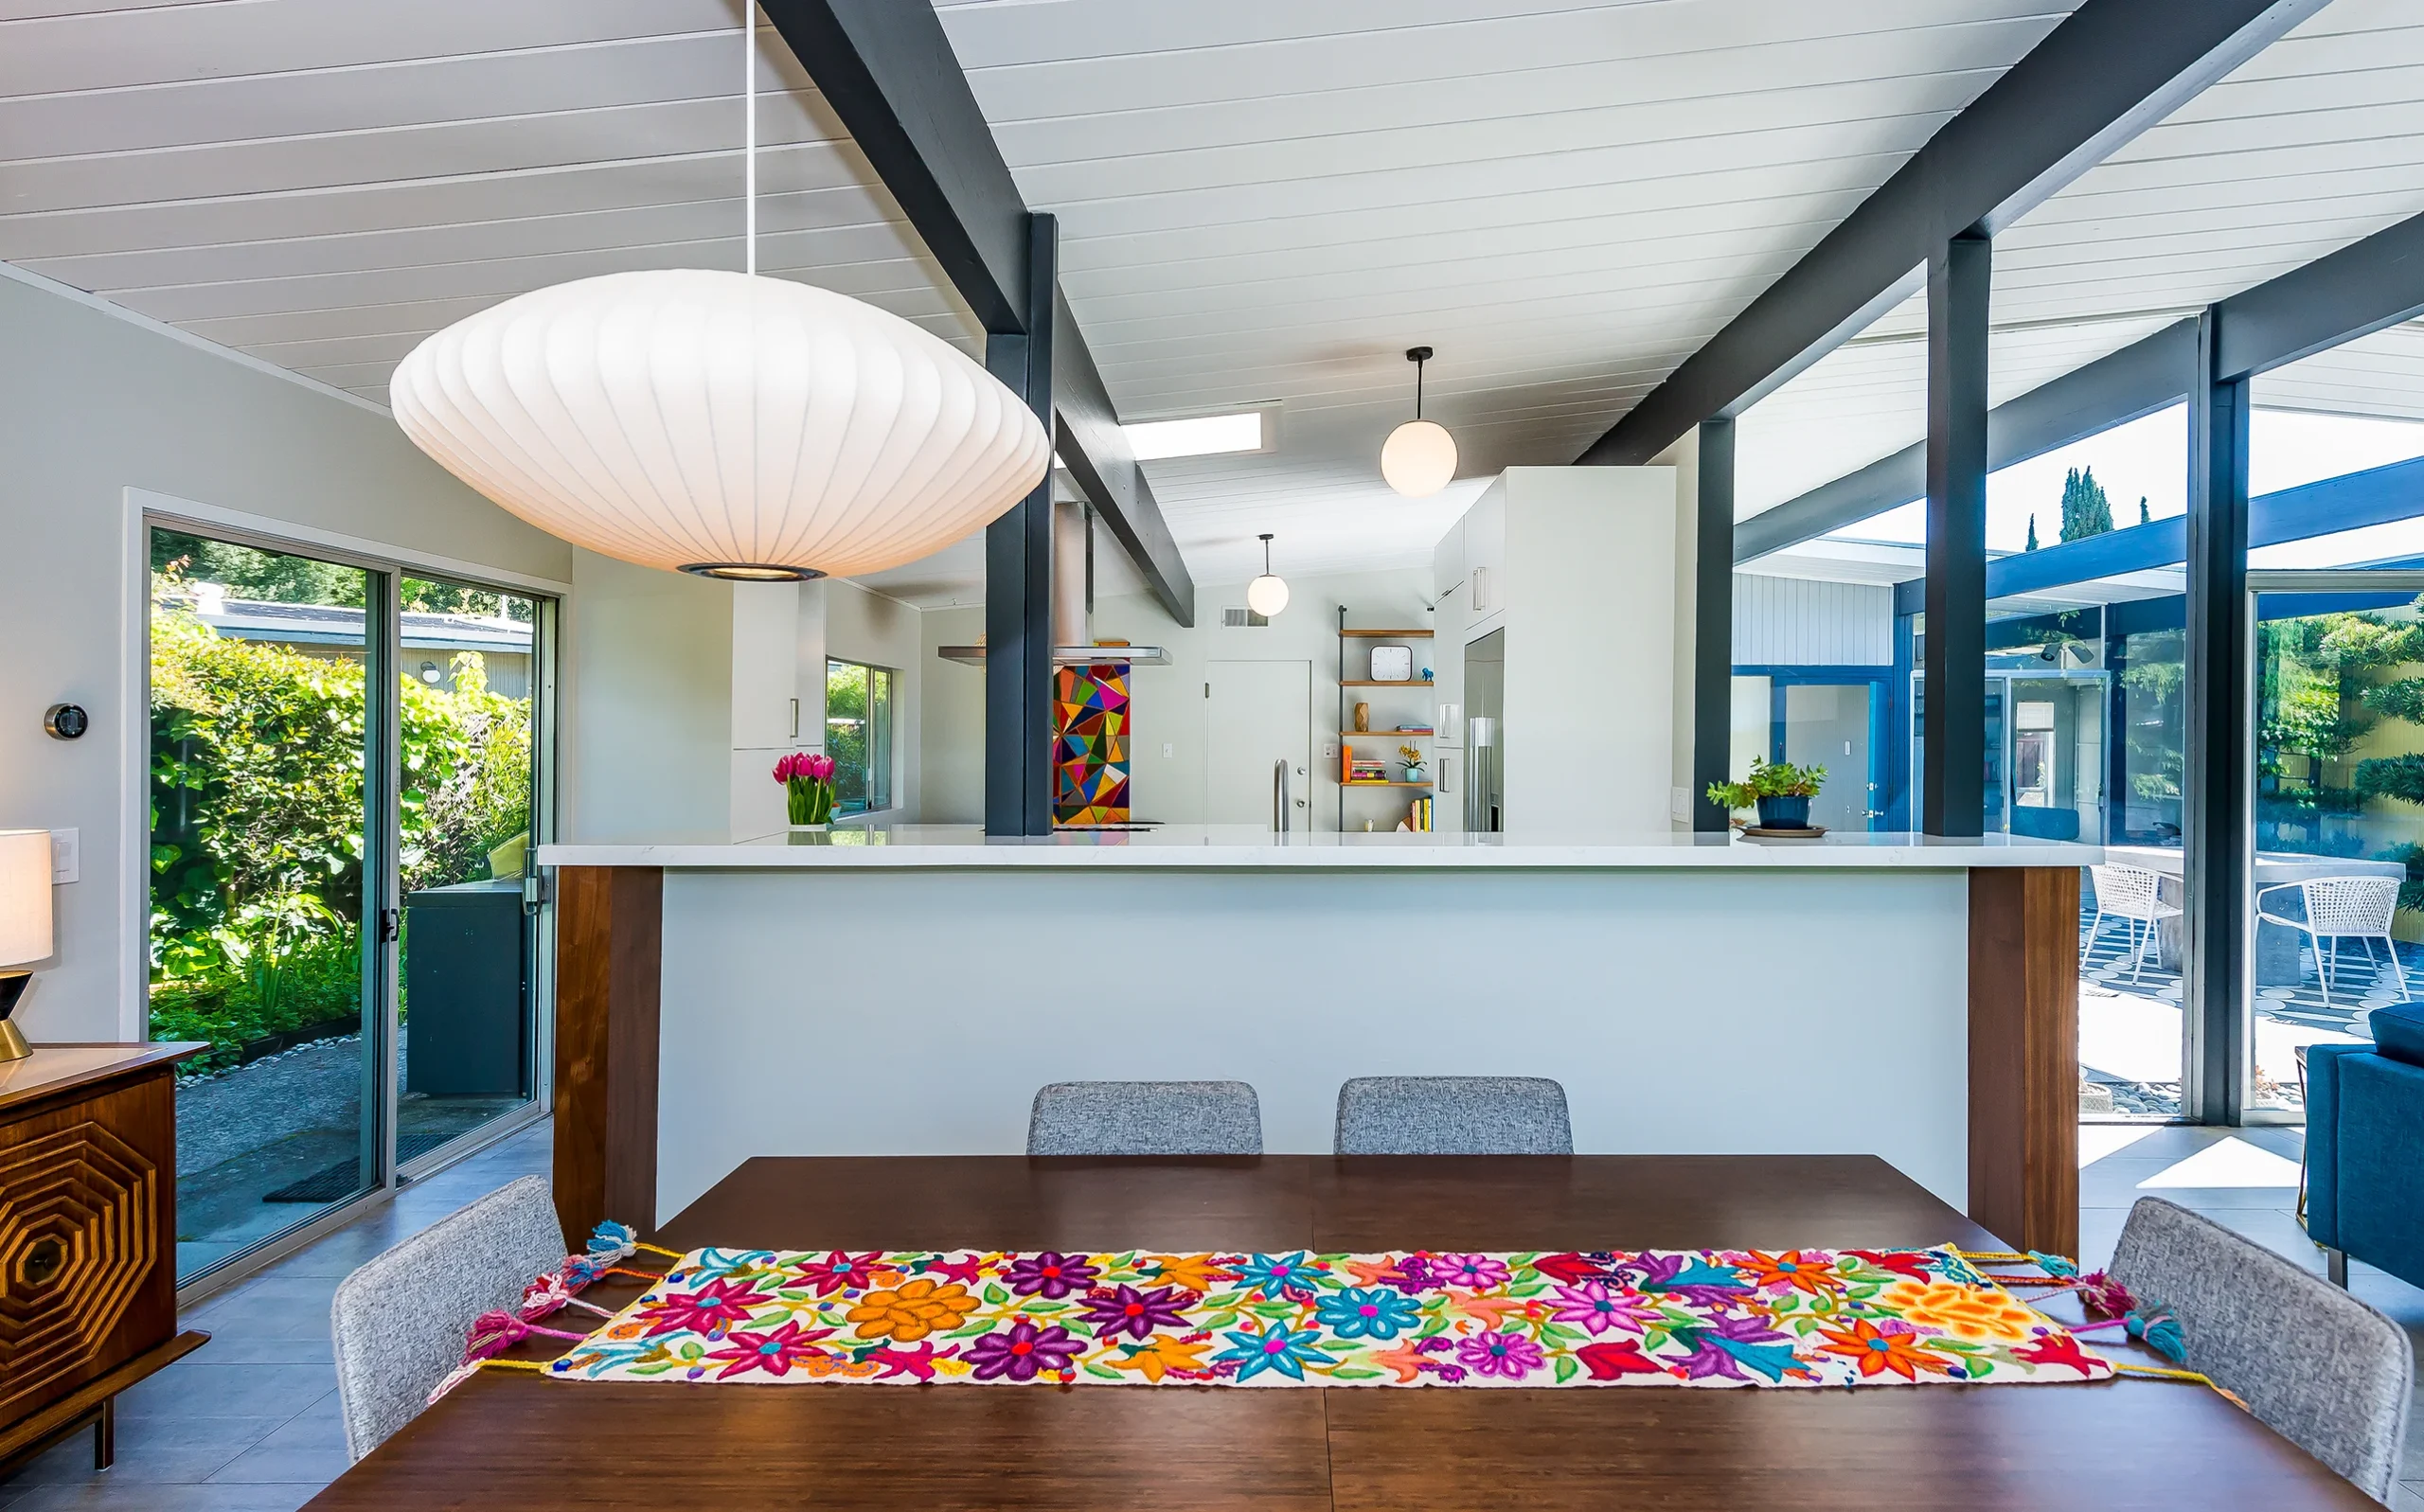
(1386, 735)
(1353, 656)
(1369, 784)
(1389, 634)
(1365, 681)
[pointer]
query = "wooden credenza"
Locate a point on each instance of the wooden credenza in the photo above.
(88, 1232)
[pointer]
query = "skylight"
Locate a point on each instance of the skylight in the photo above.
(1202, 435)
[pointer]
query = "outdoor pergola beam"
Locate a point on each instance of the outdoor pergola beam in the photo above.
(888, 70)
(2107, 72)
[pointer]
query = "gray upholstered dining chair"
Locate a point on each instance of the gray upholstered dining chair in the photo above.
(399, 1318)
(1452, 1116)
(1145, 1118)
(2324, 1370)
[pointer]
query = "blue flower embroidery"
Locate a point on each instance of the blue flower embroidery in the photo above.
(1285, 1275)
(1278, 1348)
(1376, 1312)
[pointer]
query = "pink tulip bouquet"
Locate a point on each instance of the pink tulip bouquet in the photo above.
(807, 786)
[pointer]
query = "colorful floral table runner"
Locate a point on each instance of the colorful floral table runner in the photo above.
(1136, 1317)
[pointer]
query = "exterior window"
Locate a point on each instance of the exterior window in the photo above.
(858, 735)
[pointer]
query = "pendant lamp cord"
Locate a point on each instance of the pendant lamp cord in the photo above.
(749, 135)
(1266, 556)
(1418, 388)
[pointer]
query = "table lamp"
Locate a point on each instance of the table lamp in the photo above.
(25, 924)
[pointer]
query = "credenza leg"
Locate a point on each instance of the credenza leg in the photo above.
(105, 1434)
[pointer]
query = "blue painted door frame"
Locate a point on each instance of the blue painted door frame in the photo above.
(1877, 680)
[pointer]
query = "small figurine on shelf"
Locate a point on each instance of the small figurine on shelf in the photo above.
(1412, 754)
(1363, 717)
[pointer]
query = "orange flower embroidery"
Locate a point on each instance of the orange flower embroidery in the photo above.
(1196, 1273)
(1160, 1356)
(1876, 1353)
(1971, 1314)
(1790, 1269)
(914, 1311)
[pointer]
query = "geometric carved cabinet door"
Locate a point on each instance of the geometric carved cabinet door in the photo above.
(77, 1239)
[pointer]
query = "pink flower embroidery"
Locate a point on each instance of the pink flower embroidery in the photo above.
(1509, 1354)
(1599, 1308)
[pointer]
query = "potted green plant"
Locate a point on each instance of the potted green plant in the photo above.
(1780, 790)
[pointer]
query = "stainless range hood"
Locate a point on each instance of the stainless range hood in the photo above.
(1070, 656)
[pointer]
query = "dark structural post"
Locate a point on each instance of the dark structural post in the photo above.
(1018, 578)
(1953, 740)
(1713, 624)
(2212, 810)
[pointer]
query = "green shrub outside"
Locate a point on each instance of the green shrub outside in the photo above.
(257, 821)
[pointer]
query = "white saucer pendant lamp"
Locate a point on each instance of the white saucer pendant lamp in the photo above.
(1419, 457)
(719, 423)
(1267, 594)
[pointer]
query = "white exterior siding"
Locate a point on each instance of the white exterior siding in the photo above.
(1805, 622)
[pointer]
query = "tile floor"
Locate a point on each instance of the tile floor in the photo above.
(2247, 1180)
(248, 1423)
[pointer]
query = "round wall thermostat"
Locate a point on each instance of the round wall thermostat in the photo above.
(66, 721)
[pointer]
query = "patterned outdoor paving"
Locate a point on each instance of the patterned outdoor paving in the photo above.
(2298, 1013)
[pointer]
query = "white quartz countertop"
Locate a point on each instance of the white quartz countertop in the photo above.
(1246, 847)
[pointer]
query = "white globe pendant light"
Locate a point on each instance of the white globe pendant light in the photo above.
(721, 423)
(1419, 457)
(1267, 594)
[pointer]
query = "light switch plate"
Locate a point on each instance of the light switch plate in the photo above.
(1679, 803)
(66, 855)
(1165, 750)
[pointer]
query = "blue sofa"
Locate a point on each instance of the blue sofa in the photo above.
(2365, 1147)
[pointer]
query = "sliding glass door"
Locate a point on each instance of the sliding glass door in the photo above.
(2337, 863)
(344, 787)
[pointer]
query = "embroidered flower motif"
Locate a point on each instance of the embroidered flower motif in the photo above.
(1125, 1309)
(1507, 1354)
(913, 1310)
(1163, 1356)
(1050, 1274)
(1196, 1273)
(1022, 1352)
(836, 1271)
(773, 1352)
(1276, 1276)
(1360, 1312)
(1600, 1308)
(1876, 1352)
(1971, 1314)
(710, 1311)
(1278, 1347)
(1791, 1271)
(1476, 1272)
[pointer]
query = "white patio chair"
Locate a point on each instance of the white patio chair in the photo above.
(2134, 896)
(2338, 908)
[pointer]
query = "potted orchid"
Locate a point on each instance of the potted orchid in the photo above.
(808, 787)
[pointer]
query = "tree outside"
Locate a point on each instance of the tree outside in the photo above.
(2086, 511)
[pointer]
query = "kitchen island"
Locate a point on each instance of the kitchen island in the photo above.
(904, 991)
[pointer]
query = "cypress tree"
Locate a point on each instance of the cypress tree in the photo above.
(2086, 511)
(2032, 534)
(2142, 508)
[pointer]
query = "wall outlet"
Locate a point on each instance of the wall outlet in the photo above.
(1330, 753)
(66, 855)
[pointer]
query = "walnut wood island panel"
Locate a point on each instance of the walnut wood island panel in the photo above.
(904, 991)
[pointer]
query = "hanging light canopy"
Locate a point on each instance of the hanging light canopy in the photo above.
(1419, 457)
(1267, 596)
(721, 423)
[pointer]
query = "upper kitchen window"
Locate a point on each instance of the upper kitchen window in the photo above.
(858, 735)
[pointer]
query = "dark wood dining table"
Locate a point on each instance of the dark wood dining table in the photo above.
(510, 1440)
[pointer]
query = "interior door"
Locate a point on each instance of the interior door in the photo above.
(1828, 724)
(1257, 715)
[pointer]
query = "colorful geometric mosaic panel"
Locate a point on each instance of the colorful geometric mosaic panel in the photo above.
(1090, 744)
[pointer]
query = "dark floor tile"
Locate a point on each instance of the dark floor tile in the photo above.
(191, 1389)
(310, 1446)
(168, 1452)
(129, 1495)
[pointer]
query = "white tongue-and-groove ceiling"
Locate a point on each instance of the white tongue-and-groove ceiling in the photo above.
(1260, 202)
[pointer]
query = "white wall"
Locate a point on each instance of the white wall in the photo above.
(1166, 703)
(93, 404)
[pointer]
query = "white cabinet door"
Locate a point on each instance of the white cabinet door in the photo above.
(1484, 529)
(1257, 715)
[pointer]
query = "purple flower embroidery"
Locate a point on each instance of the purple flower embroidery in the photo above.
(1477, 1271)
(1599, 1308)
(1050, 1274)
(1022, 1352)
(1510, 1355)
(1125, 1309)
(1411, 1274)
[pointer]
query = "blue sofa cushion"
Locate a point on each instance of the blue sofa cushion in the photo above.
(2398, 1032)
(2365, 1157)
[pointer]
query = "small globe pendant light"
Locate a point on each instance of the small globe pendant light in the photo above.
(1267, 596)
(721, 423)
(1419, 457)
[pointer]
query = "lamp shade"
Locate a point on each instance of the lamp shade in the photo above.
(1419, 458)
(717, 422)
(24, 895)
(1267, 596)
